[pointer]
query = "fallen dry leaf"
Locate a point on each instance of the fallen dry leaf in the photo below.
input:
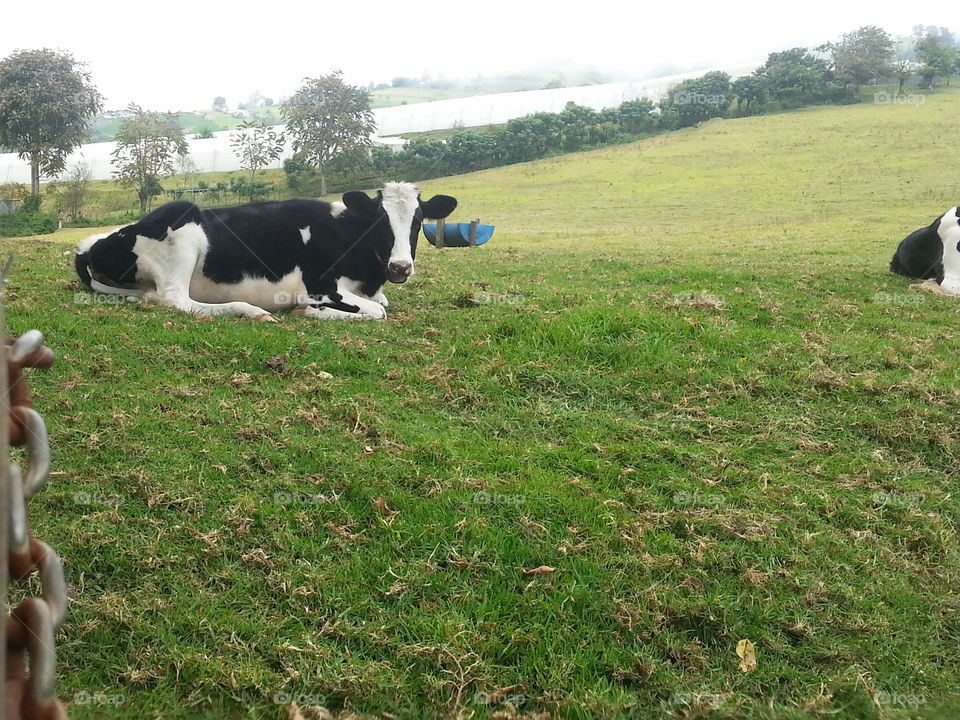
(380, 505)
(313, 712)
(748, 656)
(542, 570)
(276, 362)
(498, 696)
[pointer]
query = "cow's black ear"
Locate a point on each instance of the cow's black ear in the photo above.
(359, 203)
(438, 207)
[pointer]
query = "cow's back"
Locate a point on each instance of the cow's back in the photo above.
(262, 240)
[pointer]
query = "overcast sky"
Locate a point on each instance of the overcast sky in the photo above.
(179, 56)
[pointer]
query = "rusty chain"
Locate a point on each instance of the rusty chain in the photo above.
(28, 631)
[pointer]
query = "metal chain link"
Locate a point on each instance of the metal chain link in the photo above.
(28, 631)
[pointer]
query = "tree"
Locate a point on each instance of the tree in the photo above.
(862, 55)
(903, 65)
(578, 121)
(531, 137)
(637, 116)
(468, 150)
(256, 145)
(936, 58)
(46, 102)
(421, 158)
(72, 190)
(693, 101)
(220, 103)
(147, 146)
(749, 89)
(327, 116)
(185, 168)
(795, 76)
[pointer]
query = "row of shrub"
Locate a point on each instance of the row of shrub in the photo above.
(789, 79)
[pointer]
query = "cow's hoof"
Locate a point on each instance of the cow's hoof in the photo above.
(267, 317)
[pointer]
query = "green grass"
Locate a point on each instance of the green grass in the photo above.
(695, 391)
(390, 97)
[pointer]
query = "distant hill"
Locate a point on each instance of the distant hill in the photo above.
(199, 122)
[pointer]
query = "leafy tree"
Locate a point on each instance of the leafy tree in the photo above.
(577, 123)
(795, 76)
(936, 59)
(327, 116)
(748, 89)
(220, 103)
(945, 36)
(147, 146)
(862, 55)
(698, 99)
(903, 65)
(469, 151)
(46, 102)
(532, 137)
(72, 189)
(421, 159)
(385, 162)
(256, 146)
(636, 116)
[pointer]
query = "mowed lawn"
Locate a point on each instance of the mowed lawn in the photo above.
(676, 402)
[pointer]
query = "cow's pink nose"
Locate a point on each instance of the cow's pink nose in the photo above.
(400, 268)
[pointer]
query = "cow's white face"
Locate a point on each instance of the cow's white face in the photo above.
(949, 232)
(401, 202)
(397, 215)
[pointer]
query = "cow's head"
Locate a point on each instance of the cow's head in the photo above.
(949, 231)
(396, 215)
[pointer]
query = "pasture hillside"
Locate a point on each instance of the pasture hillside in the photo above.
(675, 403)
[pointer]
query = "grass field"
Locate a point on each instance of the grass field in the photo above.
(390, 97)
(679, 375)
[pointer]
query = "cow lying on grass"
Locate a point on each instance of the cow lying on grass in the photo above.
(932, 252)
(329, 259)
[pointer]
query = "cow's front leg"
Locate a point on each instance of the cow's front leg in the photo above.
(367, 308)
(184, 302)
(329, 313)
(343, 306)
(381, 298)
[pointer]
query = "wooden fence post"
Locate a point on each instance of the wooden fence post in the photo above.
(473, 232)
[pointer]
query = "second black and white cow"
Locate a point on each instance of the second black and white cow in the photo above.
(329, 259)
(932, 252)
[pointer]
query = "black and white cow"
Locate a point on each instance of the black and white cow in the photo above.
(329, 259)
(932, 252)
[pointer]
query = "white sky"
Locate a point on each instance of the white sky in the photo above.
(179, 56)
